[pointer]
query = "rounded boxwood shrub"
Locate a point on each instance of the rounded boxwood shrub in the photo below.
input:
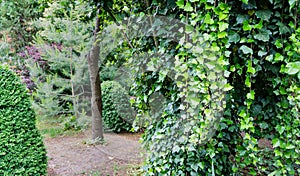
(117, 113)
(22, 151)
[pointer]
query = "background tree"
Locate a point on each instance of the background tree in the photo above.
(58, 67)
(96, 100)
(102, 17)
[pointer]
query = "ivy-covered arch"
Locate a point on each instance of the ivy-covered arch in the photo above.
(259, 132)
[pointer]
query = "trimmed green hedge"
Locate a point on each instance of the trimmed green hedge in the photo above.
(117, 114)
(22, 151)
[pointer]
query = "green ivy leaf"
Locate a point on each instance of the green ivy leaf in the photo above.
(227, 87)
(250, 68)
(293, 68)
(278, 43)
(270, 58)
(283, 29)
(227, 53)
(259, 25)
(262, 53)
(280, 129)
(247, 82)
(223, 26)
(222, 16)
(246, 50)
(243, 113)
(245, 1)
(292, 3)
(263, 125)
(241, 18)
(263, 14)
(250, 95)
(176, 149)
(188, 7)
(180, 4)
(226, 73)
(222, 34)
(290, 146)
(263, 35)
(233, 37)
(275, 142)
(208, 19)
(189, 29)
(246, 26)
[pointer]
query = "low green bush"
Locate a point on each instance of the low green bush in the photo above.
(117, 113)
(22, 151)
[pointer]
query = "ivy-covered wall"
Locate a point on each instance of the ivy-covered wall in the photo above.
(258, 47)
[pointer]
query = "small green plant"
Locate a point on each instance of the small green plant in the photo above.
(22, 151)
(135, 170)
(50, 129)
(116, 168)
(73, 123)
(117, 113)
(95, 173)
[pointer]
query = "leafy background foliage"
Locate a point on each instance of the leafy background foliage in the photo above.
(57, 64)
(117, 112)
(22, 151)
(16, 21)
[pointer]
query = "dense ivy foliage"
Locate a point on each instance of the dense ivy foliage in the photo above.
(257, 43)
(117, 114)
(259, 56)
(22, 151)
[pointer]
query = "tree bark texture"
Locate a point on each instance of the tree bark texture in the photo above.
(96, 100)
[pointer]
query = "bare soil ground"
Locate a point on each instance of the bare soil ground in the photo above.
(73, 155)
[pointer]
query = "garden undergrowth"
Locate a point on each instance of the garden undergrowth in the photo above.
(53, 129)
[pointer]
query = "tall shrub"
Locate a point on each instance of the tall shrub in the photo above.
(22, 151)
(117, 113)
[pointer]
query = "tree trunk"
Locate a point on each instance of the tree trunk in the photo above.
(96, 101)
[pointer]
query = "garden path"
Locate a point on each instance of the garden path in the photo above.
(73, 155)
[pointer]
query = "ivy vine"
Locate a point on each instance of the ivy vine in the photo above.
(257, 48)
